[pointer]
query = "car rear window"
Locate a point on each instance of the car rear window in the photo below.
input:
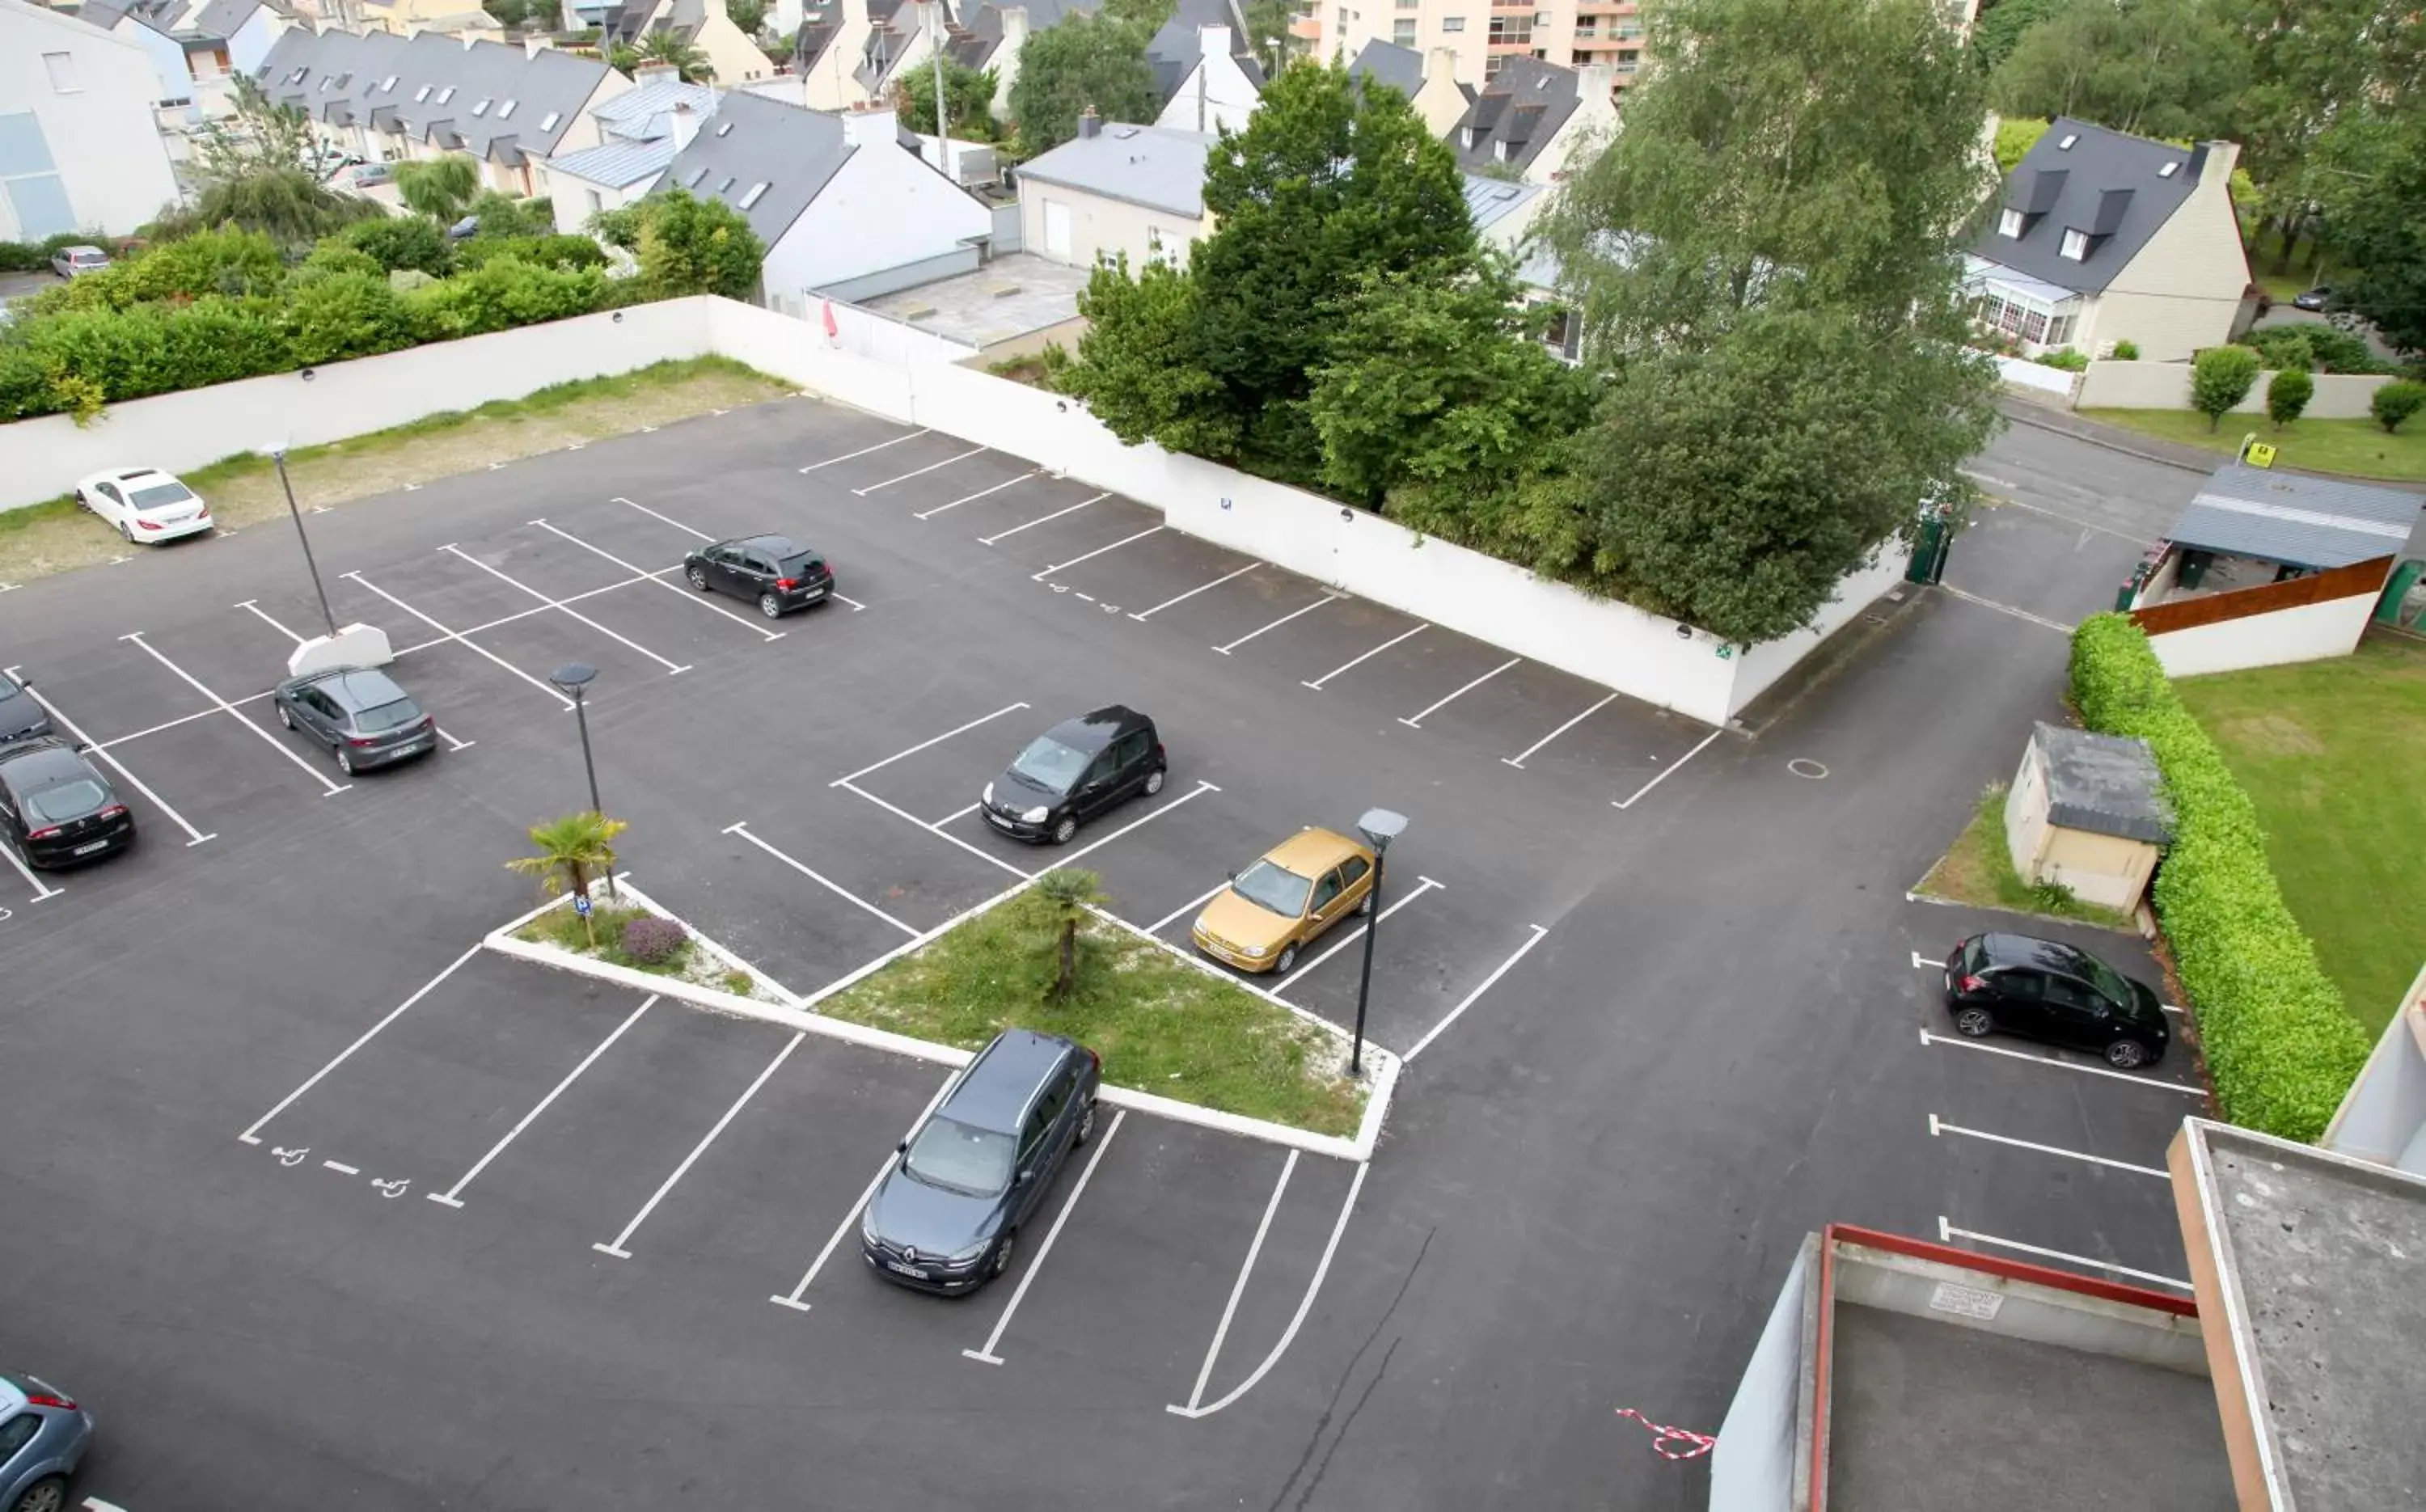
(158, 495)
(388, 716)
(797, 565)
(952, 1154)
(69, 800)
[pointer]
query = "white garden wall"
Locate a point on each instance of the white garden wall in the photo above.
(2038, 376)
(2307, 633)
(2112, 385)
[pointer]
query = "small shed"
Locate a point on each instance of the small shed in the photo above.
(2087, 812)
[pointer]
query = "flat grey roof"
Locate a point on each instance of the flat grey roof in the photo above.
(1008, 298)
(1160, 167)
(2291, 516)
(2106, 784)
(2320, 1261)
(1925, 1416)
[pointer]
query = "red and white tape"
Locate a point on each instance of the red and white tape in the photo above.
(1664, 1439)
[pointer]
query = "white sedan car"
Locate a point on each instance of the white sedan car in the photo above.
(145, 504)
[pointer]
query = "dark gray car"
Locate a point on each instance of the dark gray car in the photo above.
(22, 715)
(43, 1434)
(360, 714)
(948, 1215)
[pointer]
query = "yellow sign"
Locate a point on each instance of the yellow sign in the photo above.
(2258, 454)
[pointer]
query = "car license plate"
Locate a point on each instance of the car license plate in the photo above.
(911, 1271)
(86, 850)
(996, 820)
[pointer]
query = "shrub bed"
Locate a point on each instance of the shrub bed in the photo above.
(2280, 1045)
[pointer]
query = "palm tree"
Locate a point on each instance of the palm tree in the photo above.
(691, 63)
(571, 849)
(1067, 893)
(440, 188)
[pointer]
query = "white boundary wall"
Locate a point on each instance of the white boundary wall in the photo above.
(2306, 633)
(905, 374)
(2112, 385)
(2031, 375)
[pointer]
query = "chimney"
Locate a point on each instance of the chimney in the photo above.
(1006, 55)
(536, 43)
(1440, 63)
(685, 124)
(1213, 42)
(876, 127)
(1090, 125)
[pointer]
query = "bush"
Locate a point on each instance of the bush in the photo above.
(2284, 348)
(346, 314)
(2221, 377)
(2065, 357)
(2127, 351)
(2287, 393)
(2280, 1045)
(2396, 402)
(403, 241)
(500, 294)
(650, 940)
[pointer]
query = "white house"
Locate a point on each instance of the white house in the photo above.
(1536, 118)
(1115, 190)
(1219, 89)
(641, 131)
(846, 205)
(80, 148)
(196, 46)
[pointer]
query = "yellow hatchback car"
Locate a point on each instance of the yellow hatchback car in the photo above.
(1283, 902)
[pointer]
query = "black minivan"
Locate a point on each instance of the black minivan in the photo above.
(947, 1215)
(2050, 991)
(57, 808)
(1075, 771)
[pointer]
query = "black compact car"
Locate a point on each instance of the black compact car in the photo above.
(360, 714)
(22, 714)
(775, 572)
(1075, 771)
(946, 1217)
(2049, 990)
(58, 809)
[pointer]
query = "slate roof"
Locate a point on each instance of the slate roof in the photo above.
(2288, 517)
(1524, 108)
(976, 33)
(1176, 49)
(2105, 784)
(1400, 68)
(753, 141)
(619, 164)
(223, 18)
(489, 99)
(2113, 187)
(1160, 167)
(644, 112)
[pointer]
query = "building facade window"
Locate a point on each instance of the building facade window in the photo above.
(1403, 32)
(2076, 246)
(1452, 24)
(1512, 30)
(2010, 223)
(62, 71)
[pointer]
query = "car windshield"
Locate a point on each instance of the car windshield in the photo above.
(2106, 980)
(1048, 762)
(387, 717)
(960, 1158)
(160, 496)
(1273, 887)
(71, 800)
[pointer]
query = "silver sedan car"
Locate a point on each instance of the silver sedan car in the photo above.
(44, 1436)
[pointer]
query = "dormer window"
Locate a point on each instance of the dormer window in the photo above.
(2076, 246)
(1468, 138)
(1499, 151)
(2010, 223)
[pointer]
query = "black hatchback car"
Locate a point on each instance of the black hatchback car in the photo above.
(2049, 990)
(1075, 771)
(948, 1215)
(774, 572)
(360, 714)
(58, 809)
(22, 714)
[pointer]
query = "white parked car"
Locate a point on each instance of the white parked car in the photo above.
(145, 504)
(75, 262)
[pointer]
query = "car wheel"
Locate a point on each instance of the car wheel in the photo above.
(771, 606)
(1287, 958)
(1065, 829)
(1002, 1252)
(83, 503)
(1974, 1023)
(1153, 781)
(1087, 1124)
(285, 717)
(47, 1495)
(345, 761)
(126, 532)
(698, 577)
(2127, 1054)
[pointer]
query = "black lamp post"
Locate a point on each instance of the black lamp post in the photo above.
(1379, 827)
(278, 455)
(574, 678)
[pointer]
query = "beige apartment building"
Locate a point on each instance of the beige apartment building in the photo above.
(1484, 34)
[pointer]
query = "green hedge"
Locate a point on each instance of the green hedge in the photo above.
(2280, 1045)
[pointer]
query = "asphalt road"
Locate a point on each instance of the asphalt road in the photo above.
(1658, 1043)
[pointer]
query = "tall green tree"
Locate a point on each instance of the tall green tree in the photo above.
(2370, 173)
(1080, 61)
(440, 188)
(2001, 23)
(257, 138)
(1135, 369)
(2153, 67)
(968, 99)
(1768, 263)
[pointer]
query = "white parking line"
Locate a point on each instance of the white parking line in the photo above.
(2156, 1083)
(259, 614)
(918, 472)
(1518, 760)
(616, 1247)
(195, 837)
(930, 514)
(462, 637)
(1183, 598)
(742, 829)
(940, 834)
(252, 1136)
(1328, 598)
(448, 1197)
(1199, 791)
(1948, 1233)
(1403, 634)
(1938, 1127)
(41, 888)
(1027, 1274)
(1151, 530)
(1165, 922)
(1006, 535)
(1423, 885)
(681, 593)
(956, 814)
(1636, 796)
(851, 1218)
(865, 450)
(1418, 722)
(2057, 625)
(1238, 1288)
(229, 710)
(1498, 971)
(956, 730)
(561, 607)
(1297, 1320)
(342, 1169)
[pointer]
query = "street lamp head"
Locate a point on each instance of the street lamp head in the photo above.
(573, 675)
(1379, 826)
(275, 451)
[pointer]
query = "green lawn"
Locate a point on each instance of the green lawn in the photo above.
(2359, 447)
(1161, 1026)
(1979, 870)
(2329, 752)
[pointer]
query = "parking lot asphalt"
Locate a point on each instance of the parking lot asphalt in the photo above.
(1649, 1047)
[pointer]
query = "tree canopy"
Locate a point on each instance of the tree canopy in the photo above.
(968, 98)
(1084, 60)
(2370, 173)
(2152, 68)
(689, 246)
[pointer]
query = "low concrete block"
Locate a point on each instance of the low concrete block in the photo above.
(353, 646)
